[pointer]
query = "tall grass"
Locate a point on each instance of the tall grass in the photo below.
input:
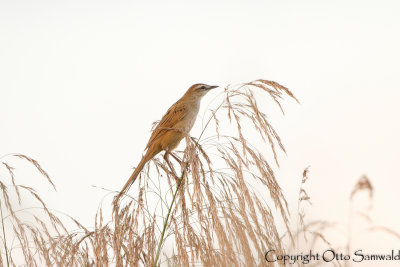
(211, 213)
(312, 236)
(206, 208)
(217, 204)
(33, 236)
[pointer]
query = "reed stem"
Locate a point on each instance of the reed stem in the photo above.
(4, 234)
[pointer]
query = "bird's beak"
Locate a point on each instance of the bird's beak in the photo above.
(212, 87)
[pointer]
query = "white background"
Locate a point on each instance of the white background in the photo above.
(82, 81)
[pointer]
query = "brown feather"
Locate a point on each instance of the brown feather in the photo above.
(174, 114)
(172, 128)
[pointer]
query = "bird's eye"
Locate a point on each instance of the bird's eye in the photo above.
(202, 87)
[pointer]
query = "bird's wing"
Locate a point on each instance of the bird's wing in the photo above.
(175, 114)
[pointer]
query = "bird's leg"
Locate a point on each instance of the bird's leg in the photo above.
(176, 158)
(180, 162)
(170, 166)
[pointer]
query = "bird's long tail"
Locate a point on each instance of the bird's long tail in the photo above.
(148, 156)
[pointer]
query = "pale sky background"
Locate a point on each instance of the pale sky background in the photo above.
(82, 81)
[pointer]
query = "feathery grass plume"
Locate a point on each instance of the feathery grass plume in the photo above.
(33, 236)
(218, 204)
(211, 206)
(310, 236)
(303, 197)
(215, 211)
(363, 184)
(317, 230)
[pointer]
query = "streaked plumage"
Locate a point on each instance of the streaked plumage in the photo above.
(172, 128)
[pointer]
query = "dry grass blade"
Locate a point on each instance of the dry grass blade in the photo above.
(11, 172)
(37, 165)
(216, 203)
(363, 184)
(217, 200)
(41, 237)
(216, 214)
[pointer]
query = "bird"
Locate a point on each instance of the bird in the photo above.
(172, 128)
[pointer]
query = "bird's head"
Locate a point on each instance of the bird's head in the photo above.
(198, 90)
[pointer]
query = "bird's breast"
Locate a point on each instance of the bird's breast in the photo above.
(190, 117)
